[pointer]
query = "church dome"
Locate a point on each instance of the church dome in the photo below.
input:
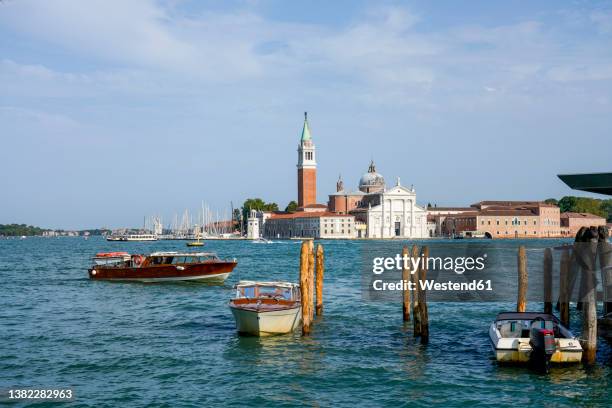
(372, 181)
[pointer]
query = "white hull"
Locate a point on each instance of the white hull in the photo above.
(518, 349)
(267, 323)
(220, 277)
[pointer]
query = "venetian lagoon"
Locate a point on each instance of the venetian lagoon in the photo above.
(176, 344)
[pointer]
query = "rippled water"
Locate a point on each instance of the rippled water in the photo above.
(132, 344)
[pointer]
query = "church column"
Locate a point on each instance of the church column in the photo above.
(411, 218)
(391, 219)
(404, 219)
(382, 223)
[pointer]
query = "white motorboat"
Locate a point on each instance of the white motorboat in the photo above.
(266, 308)
(262, 240)
(532, 337)
(133, 237)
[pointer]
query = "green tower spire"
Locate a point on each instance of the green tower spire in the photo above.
(306, 129)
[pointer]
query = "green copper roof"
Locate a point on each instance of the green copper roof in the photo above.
(306, 129)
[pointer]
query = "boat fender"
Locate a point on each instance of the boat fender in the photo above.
(137, 260)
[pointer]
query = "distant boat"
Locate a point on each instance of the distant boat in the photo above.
(266, 308)
(196, 243)
(23, 237)
(165, 267)
(132, 237)
(262, 241)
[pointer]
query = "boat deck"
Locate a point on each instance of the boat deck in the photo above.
(263, 304)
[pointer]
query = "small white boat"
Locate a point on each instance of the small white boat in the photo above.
(133, 237)
(266, 308)
(262, 241)
(532, 337)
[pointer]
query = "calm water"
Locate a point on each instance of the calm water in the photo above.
(131, 344)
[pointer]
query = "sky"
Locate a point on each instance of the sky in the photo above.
(112, 110)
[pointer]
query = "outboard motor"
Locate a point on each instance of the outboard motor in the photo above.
(542, 342)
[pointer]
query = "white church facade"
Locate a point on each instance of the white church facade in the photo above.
(394, 213)
(387, 212)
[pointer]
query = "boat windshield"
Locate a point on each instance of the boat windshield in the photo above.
(181, 259)
(521, 328)
(257, 291)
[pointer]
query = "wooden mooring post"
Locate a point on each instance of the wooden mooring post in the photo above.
(307, 283)
(416, 311)
(521, 302)
(320, 273)
(305, 288)
(406, 298)
(423, 299)
(587, 259)
(548, 267)
(564, 269)
(604, 251)
(311, 275)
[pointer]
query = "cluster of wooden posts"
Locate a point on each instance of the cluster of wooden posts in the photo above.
(307, 283)
(415, 302)
(577, 260)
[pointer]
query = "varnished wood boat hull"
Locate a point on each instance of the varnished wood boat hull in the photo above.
(209, 272)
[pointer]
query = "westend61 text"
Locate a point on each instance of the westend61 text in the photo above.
(475, 285)
(459, 265)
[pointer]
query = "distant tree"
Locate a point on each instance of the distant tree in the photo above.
(291, 207)
(12, 230)
(255, 204)
(584, 205)
(236, 218)
(567, 203)
(270, 207)
(606, 206)
(552, 201)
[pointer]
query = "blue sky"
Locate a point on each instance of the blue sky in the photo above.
(113, 110)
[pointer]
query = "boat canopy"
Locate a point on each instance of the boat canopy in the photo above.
(525, 316)
(174, 253)
(271, 283)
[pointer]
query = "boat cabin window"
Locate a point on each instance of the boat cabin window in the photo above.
(265, 292)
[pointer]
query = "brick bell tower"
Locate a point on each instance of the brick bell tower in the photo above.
(307, 168)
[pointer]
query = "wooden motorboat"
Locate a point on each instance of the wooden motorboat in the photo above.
(166, 266)
(532, 337)
(266, 308)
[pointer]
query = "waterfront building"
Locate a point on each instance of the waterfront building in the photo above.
(502, 219)
(253, 225)
(256, 222)
(436, 217)
(305, 224)
(571, 222)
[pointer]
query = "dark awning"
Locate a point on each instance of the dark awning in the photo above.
(600, 183)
